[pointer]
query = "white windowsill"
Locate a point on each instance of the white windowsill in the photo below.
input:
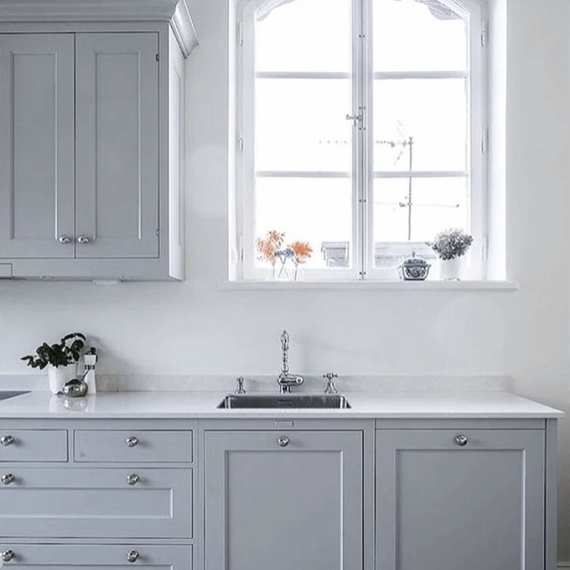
(355, 285)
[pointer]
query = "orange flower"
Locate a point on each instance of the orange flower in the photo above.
(266, 250)
(302, 250)
(275, 238)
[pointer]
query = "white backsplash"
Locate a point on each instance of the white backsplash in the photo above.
(164, 383)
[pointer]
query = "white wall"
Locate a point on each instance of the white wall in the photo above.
(195, 328)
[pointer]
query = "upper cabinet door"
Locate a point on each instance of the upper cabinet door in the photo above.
(37, 145)
(117, 145)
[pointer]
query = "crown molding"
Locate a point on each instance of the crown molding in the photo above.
(51, 11)
(183, 28)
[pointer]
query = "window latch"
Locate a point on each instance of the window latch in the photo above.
(354, 118)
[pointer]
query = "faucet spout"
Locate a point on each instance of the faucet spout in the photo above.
(285, 378)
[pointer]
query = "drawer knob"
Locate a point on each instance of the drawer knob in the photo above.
(131, 441)
(132, 555)
(83, 240)
(461, 440)
(8, 478)
(132, 479)
(63, 239)
(283, 441)
(6, 440)
(7, 555)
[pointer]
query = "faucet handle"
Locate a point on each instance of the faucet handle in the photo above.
(331, 388)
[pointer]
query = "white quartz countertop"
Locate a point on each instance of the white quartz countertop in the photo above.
(416, 405)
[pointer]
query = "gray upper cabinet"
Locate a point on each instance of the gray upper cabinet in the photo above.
(37, 145)
(283, 500)
(117, 152)
(460, 499)
(92, 147)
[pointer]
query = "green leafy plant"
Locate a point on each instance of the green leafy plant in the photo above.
(67, 351)
(451, 243)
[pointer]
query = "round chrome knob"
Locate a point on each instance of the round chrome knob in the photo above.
(131, 441)
(132, 555)
(7, 555)
(64, 239)
(283, 441)
(461, 440)
(8, 478)
(6, 440)
(132, 479)
(83, 240)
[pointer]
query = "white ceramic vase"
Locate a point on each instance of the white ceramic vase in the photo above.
(59, 376)
(451, 269)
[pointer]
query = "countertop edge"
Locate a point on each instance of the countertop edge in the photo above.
(203, 405)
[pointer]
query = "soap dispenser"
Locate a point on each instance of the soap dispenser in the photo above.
(89, 361)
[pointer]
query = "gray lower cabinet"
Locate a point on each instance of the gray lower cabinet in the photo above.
(283, 500)
(84, 495)
(460, 499)
(99, 502)
(96, 556)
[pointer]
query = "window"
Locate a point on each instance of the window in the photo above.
(362, 131)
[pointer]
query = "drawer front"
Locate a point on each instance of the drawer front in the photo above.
(33, 445)
(97, 503)
(133, 446)
(95, 556)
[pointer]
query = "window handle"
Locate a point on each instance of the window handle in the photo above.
(354, 118)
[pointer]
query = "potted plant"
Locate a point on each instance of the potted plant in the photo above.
(450, 246)
(59, 358)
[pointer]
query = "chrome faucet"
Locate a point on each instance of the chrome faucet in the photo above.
(285, 378)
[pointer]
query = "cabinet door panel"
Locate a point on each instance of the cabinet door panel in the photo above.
(117, 145)
(441, 505)
(37, 150)
(297, 506)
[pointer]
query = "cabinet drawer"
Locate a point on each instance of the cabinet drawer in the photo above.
(133, 446)
(95, 556)
(33, 445)
(98, 503)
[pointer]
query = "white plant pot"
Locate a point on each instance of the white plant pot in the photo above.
(451, 269)
(59, 376)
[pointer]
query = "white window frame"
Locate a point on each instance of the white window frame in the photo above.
(362, 266)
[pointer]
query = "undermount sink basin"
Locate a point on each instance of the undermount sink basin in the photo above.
(326, 401)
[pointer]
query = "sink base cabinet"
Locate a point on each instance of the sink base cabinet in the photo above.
(469, 499)
(283, 500)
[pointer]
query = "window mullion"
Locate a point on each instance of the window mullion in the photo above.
(366, 138)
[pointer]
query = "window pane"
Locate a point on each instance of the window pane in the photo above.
(418, 35)
(422, 122)
(300, 124)
(437, 204)
(293, 36)
(309, 210)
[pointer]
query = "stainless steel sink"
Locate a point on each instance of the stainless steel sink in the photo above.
(305, 401)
